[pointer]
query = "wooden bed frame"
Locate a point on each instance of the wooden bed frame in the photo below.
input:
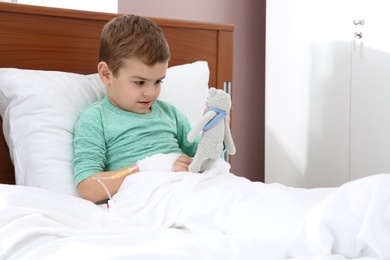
(44, 38)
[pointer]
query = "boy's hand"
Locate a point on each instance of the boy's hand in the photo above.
(182, 163)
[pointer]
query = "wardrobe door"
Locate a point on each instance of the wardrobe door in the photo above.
(308, 61)
(370, 91)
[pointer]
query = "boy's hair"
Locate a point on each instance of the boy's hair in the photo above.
(132, 36)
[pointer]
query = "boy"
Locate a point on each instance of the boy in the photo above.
(115, 134)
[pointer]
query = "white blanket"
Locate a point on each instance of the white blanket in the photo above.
(214, 215)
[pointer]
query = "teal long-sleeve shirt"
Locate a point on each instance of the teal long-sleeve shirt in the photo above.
(108, 138)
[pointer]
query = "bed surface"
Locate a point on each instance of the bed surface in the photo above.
(43, 38)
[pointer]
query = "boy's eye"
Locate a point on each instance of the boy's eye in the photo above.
(140, 83)
(159, 81)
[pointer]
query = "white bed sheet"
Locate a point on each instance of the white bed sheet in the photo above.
(215, 215)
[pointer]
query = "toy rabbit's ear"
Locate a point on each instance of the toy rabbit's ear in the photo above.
(212, 91)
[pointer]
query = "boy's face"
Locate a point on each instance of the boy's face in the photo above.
(137, 85)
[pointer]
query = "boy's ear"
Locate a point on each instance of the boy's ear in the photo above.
(104, 72)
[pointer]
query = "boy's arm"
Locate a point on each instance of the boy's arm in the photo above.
(91, 189)
(89, 157)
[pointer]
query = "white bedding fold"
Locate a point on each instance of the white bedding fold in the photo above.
(214, 200)
(354, 220)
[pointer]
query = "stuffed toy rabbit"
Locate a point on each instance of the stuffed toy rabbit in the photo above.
(216, 131)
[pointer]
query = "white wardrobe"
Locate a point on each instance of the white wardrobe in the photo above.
(327, 91)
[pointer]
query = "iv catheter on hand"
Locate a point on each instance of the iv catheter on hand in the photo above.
(118, 175)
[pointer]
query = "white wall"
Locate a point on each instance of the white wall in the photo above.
(110, 6)
(307, 92)
(327, 92)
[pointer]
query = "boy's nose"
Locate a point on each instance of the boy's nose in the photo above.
(149, 91)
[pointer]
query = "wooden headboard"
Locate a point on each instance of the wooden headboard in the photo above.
(33, 37)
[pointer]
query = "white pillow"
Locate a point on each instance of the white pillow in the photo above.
(186, 87)
(39, 110)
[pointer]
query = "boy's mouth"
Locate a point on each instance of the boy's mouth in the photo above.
(145, 103)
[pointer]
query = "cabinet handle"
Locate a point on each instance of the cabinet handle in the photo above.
(358, 35)
(357, 21)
